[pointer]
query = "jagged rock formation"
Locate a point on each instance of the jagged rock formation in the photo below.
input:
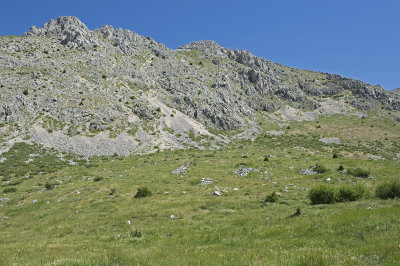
(76, 82)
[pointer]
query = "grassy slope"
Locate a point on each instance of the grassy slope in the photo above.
(67, 227)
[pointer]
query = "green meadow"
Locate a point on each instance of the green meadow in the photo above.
(62, 209)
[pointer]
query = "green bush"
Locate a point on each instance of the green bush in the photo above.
(143, 192)
(136, 233)
(9, 190)
(322, 195)
(97, 179)
(388, 190)
(358, 172)
(49, 186)
(340, 168)
(347, 193)
(273, 197)
(320, 168)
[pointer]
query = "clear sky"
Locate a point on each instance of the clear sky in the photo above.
(354, 38)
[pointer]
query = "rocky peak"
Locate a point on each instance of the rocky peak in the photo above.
(130, 42)
(207, 48)
(71, 31)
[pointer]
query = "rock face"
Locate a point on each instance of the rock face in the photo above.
(76, 82)
(71, 31)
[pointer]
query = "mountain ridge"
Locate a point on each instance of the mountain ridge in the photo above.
(76, 83)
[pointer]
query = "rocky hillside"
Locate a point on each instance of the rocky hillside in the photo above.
(106, 91)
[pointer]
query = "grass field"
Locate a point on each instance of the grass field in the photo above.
(87, 215)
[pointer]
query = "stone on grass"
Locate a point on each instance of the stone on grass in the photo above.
(308, 172)
(242, 172)
(217, 193)
(182, 169)
(206, 181)
(330, 140)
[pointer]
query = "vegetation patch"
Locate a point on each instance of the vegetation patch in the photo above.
(358, 172)
(388, 190)
(143, 192)
(328, 194)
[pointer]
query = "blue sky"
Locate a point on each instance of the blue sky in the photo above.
(354, 38)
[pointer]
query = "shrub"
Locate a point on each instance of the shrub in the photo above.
(273, 197)
(358, 172)
(320, 168)
(104, 76)
(266, 159)
(143, 192)
(322, 195)
(9, 190)
(340, 168)
(49, 186)
(136, 233)
(335, 155)
(112, 191)
(25, 92)
(97, 179)
(350, 193)
(388, 190)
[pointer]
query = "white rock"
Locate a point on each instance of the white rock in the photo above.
(217, 193)
(128, 222)
(172, 216)
(235, 188)
(328, 179)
